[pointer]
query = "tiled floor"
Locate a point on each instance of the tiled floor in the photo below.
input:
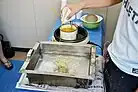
(19, 56)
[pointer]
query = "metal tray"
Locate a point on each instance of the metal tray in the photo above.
(60, 64)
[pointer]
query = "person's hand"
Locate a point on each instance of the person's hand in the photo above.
(136, 90)
(76, 7)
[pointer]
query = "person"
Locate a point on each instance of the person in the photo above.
(8, 65)
(121, 70)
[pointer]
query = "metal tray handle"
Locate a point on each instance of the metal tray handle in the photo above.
(93, 54)
(29, 54)
(31, 51)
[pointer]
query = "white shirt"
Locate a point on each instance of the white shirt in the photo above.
(124, 48)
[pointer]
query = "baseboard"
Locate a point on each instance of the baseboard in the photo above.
(21, 49)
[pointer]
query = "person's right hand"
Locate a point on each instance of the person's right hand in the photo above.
(76, 7)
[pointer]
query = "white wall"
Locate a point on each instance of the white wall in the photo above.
(23, 22)
(112, 17)
(46, 13)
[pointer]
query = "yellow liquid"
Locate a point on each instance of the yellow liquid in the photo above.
(68, 29)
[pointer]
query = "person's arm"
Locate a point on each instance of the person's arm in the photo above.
(83, 4)
(98, 3)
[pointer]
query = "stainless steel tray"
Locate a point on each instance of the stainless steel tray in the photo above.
(60, 64)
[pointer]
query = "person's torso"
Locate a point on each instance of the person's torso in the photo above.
(124, 47)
